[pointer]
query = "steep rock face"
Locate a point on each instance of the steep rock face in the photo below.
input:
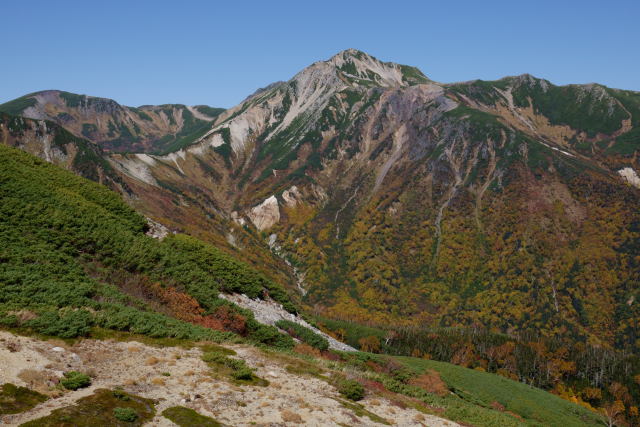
(115, 127)
(631, 176)
(279, 133)
(266, 214)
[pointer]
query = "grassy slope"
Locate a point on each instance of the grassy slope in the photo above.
(535, 406)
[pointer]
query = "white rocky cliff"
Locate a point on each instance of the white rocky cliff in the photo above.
(266, 214)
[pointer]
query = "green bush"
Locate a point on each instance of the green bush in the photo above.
(9, 320)
(304, 334)
(74, 380)
(121, 395)
(351, 389)
(119, 317)
(71, 324)
(244, 373)
(125, 414)
(268, 335)
(214, 357)
(186, 417)
(238, 367)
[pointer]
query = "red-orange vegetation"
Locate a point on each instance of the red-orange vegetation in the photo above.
(307, 350)
(430, 381)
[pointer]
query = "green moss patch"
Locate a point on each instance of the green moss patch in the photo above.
(14, 399)
(185, 417)
(235, 369)
(104, 407)
(361, 411)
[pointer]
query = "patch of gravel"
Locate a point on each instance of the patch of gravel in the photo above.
(288, 400)
(269, 312)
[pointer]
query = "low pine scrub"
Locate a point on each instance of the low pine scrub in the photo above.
(69, 247)
(305, 335)
(351, 389)
(125, 414)
(74, 380)
(237, 369)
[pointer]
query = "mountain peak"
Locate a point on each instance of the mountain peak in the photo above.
(349, 53)
(361, 68)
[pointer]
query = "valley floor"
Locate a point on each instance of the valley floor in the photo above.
(176, 376)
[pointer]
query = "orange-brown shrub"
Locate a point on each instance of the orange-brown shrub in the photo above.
(329, 355)
(307, 350)
(370, 344)
(430, 381)
(373, 386)
(185, 307)
(497, 406)
(231, 320)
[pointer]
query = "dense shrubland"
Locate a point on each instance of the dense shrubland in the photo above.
(69, 248)
(544, 290)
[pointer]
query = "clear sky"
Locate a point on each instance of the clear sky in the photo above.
(217, 53)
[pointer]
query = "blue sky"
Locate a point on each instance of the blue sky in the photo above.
(217, 53)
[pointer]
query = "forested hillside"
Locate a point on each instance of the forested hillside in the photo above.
(396, 200)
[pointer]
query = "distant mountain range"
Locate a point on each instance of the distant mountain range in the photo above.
(114, 127)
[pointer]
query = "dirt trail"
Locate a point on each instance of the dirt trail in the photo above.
(142, 370)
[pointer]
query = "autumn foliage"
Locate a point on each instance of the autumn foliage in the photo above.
(185, 307)
(430, 381)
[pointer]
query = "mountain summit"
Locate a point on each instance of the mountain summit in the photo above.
(358, 67)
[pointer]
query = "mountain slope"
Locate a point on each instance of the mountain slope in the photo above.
(398, 198)
(115, 127)
(53, 143)
(75, 262)
(74, 256)
(392, 197)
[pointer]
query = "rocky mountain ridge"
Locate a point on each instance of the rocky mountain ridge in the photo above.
(115, 127)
